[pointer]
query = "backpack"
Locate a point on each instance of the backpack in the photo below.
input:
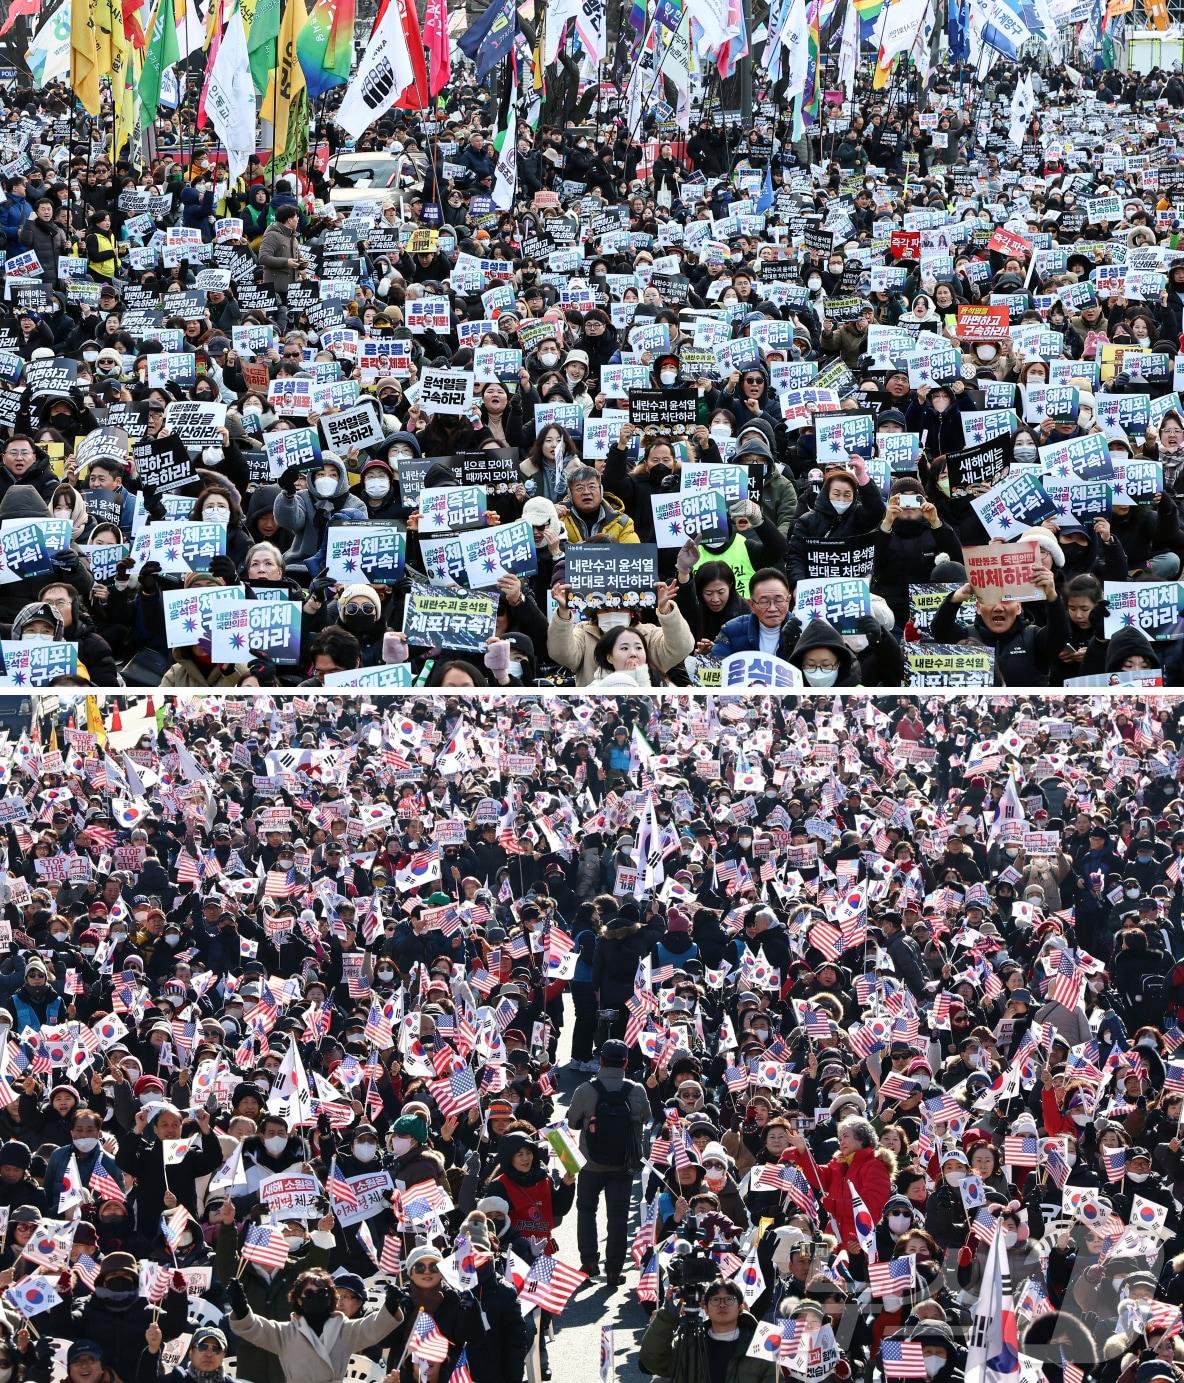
(610, 1134)
(1151, 998)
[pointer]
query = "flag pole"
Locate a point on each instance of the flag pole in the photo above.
(275, 105)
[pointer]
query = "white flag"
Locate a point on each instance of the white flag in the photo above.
(231, 1173)
(383, 75)
(749, 1278)
(230, 102)
(558, 14)
(849, 51)
(291, 1097)
(71, 1193)
(506, 170)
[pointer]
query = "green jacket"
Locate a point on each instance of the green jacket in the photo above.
(779, 501)
(266, 1299)
(657, 1353)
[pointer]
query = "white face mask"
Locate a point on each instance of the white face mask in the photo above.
(275, 1146)
(715, 1178)
(720, 434)
(85, 1145)
(88, 952)
(400, 1145)
(61, 512)
(36, 638)
(365, 1152)
(900, 1224)
(612, 619)
(60, 936)
(814, 285)
(1138, 1177)
(821, 677)
(892, 1303)
(1011, 1238)
(216, 514)
(668, 376)
(550, 359)
(840, 506)
(295, 1239)
(172, 938)
(954, 1178)
(386, 975)
(325, 486)
(934, 1363)
(377, 485)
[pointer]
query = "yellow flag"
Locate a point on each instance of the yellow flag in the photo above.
(124, 91)
(94, 720)
(84, 57)
(287, 81)
(51, 747)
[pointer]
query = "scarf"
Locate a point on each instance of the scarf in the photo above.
(429, 1301)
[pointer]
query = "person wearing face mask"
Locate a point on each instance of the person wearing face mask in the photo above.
(85, 1127)
(272, 1151)
(111, 1323)
(414, 1160)
(574, 645)
(317, 1343)
(379, 488)
(306, 506)
(850, 504)
(822, 655)
(359, 608)
(217, 504)
(945, 1215)
(538, 1200)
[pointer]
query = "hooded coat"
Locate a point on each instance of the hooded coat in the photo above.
(23, 501)
(306, 516)
(819, 634)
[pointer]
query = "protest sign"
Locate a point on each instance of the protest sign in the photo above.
(1002, 571)
(433, 619)
(948, 665)
(374, 552)
(697, 515)
(242, 628)
(840, 602)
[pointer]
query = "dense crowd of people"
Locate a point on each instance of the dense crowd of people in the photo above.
(862, 1019)
(924, 357)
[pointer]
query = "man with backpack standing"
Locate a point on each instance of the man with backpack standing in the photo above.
(610, 1112)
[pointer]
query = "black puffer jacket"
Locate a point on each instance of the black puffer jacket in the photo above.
(824, 521)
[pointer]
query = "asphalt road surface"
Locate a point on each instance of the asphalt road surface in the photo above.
(575, 1350)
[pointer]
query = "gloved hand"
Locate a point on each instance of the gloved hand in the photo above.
(965, 1256)
(792, 631)
(287, 481)
(224, 569)
(149, 574)
(237, 1298)
(869, 627)
(687, 556)
(66, 561)
(1097, 619)
(395, 1300)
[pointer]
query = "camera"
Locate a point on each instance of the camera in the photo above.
(691, 1268)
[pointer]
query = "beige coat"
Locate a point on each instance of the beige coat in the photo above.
(307, 1357)
(572, 643)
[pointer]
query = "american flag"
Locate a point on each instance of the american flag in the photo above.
(427, 1342)
(174, 1225)
(378, 1028)
(261, 1017)
(1173, 1077)
(187, 872)
(1057, 1167)
(461, 1373)
(647, 1286)
(1114, 1160)
(550, 1283)
(896, 1088)
(798, 1189)
(893, 1278)
(266, 1246)
(1066, 981)
(391, 1258)
(87, 1269)
(280, 883)
(104, 1186)
(902, 1359)
(339, 1189)
(816, 1023)
(1021, 1151)
(456, 1095)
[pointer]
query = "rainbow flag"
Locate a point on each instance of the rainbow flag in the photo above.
(868, 12)
(325, 46)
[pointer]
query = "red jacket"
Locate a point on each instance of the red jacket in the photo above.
(868, 1171)
(1055, 1123)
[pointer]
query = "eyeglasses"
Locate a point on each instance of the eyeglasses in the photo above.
(770, 602)
(721, 1299)
(823, 667)
(359, 607)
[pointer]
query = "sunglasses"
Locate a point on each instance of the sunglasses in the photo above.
(212, 1345)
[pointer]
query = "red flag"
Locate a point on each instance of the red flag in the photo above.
(415, 97)
(435, 33)
(27, 7)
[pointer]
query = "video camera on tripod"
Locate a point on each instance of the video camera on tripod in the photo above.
(691, 1268)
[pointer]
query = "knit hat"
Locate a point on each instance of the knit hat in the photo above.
(411, 1126)
(360, 590)
(1047, 541)
(424, 1254)
(15, 1154)
(540, 511)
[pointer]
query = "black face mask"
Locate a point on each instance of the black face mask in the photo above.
(316, 1306)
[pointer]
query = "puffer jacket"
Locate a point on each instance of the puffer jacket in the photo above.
(611, 522)
(572, 643)
(824, 521)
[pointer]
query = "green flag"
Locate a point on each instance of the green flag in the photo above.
(261, 42)
(161, 53)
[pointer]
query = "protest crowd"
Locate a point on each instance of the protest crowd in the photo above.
(320, 1015)
(873, 383)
